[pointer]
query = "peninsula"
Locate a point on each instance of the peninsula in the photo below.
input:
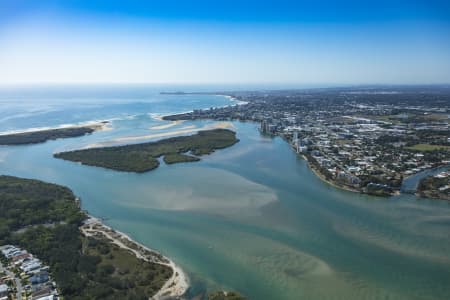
(41, 136)
(143, 157)
(87, 259)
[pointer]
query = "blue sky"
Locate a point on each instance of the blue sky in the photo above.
(225, 42)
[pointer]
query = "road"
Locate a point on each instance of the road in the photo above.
(16, 280)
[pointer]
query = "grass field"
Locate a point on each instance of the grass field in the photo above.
(428, 147)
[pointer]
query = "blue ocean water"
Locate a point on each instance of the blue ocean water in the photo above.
(251, 218)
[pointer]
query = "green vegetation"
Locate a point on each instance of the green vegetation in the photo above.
(434, 187)
(41, 136)
(315, 165)
(120, 272)
(394, 182)
(225, 296)
(83, 267)
(174, 158)
(141, 158)
(407, 116)
(26, 202)
(428, 147)
(378, 190)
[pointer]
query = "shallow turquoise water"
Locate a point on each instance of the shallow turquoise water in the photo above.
(252, 217)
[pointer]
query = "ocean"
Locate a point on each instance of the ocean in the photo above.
(251, 218)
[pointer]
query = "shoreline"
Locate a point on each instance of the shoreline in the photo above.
(345, 188)
(95, 125)
(160, 117)
(176, 286)
(235, 102)
(443, 165)
(321, 177)
(428, 195)
(144, 138)
(332, 183)
(233, 99)
(165, 126)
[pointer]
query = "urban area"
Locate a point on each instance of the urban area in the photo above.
(360, 139)
(23, 276)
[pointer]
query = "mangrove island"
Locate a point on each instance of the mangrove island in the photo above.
(140, 158)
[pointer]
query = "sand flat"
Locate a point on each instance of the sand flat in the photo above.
(165, 126)
(121, 140)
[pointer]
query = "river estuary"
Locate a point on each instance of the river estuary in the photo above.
(251, 218)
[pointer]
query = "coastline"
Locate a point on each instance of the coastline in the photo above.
(95, 125)
(321, 177)
(176, 286)
(235, 101)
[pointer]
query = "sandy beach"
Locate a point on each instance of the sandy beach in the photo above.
(176, 286)
(95, 125)
(165, 126)
(159, 117)
(101, 126)
(186, 130)
(235, 100)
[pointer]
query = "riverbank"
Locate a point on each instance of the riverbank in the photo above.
(411, 182)
(345, 187)
(322, 177)
(433, 195)
(176, 286)
(435, 186)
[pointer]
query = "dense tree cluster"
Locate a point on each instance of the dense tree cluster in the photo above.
(41, 136)
(45, 218)
(225, 296)
(26, 202)
(141, 158)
